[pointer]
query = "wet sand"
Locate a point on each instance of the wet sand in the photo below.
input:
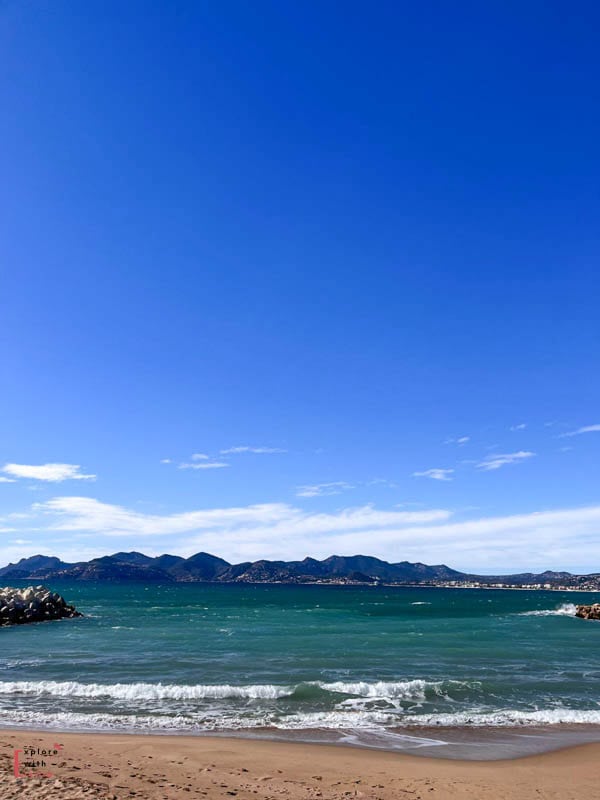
(112, 766)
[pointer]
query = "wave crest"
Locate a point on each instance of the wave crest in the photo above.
(563, 610)
(145, 691)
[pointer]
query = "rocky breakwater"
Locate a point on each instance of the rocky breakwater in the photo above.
(588, 612)
(34, 604)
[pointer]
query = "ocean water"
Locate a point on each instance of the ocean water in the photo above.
(378, 666)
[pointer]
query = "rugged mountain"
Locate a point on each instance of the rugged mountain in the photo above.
(548, 576)
(33, 563)
(110, 569)
(203, 567)
(343, 565)
(234, 572)
(419, 571)
(133, 558)
(206, 566)
(265, 572)
(360, 577)
(309, 566)
(167, 562)
(200, 567)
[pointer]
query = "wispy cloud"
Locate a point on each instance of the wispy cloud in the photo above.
(435, 474)
(585, 429)
(54, 473)
(520, 427)
(6, 480)
(502, 459)
(460, 441)
(255, 523)
(323, 489)
(198, 461)
(279, 530)
(204, 465)
(381, 482)
(248, 449)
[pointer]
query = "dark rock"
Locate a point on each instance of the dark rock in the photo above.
(588, 612)
(33, 604)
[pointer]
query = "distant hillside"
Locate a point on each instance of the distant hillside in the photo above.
(204, 567)
(27, 566)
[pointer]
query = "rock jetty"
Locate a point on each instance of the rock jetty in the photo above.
(588, 612)
(33, 604)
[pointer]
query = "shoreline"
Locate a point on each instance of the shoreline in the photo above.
(333, 583)
(464, 743)
(115, 766)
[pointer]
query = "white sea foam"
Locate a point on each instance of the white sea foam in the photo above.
(421, 603)
(77, 721)
(374, 721)
(12, 663)
(354, 713)
(507, 717)
(400, 690)
(501, 718)
(564, 610)
(143, 691)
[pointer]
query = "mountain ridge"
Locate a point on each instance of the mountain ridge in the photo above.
(205, 567)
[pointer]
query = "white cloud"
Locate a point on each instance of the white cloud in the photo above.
(196, 457)
(520, 427)
(272, 520)
(247, 449)
(435, 474)
(382, 482)
(460, 441)
(204, 465)
(501, 459)
(6, 480)
(585, 429)
(323, 489)
(54, 473)
(337, 487)
(555, 539)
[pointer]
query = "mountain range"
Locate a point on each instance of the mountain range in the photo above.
(204, 567)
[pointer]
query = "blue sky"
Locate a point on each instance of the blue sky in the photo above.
(350, 257)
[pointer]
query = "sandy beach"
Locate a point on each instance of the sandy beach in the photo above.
(172, 767)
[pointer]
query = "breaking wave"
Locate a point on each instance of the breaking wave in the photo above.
(410, 690)
(402, 690)
(334, 705)
(143, 691)
(333, 720)
(563, 610)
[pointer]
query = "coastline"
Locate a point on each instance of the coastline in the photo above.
(464, 743)
(115, 766)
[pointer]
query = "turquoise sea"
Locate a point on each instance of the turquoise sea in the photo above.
(378, 666)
